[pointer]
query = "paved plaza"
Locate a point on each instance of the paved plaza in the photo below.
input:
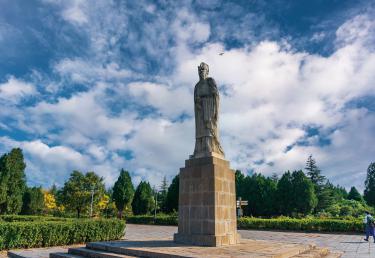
(352, 246)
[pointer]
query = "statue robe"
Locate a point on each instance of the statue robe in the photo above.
(206, 107)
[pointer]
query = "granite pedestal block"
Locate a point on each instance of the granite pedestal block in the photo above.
(207, 203)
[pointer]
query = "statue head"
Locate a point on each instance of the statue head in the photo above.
(203, 70)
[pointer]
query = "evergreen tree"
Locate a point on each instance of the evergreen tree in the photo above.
(354, 195)
(33, 201)
(339, 192)
(77, 191)
(260, 193)
(275, 177)
(4, 177)
(369, 194)
(296, 193)
(285, 194)
(162, 195)
(172, 195)
(123, 192)
(239, 181)
(54, 190)
(314, 173)
(304, 195)
(322, 187)
(12, 181)
(143, 201)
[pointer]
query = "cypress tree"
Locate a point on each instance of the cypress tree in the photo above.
(12, 181)
(123, 192)
(143, 201)
(33, 201)
(172, 195)
(369, 194)
(354, 194)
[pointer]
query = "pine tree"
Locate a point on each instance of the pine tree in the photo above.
(172, 195)
(12, 181)
(162, 195)
(143, 201)
(354, 195)
(322, 187)
(123, 192)
(369, 194)
(314, 173)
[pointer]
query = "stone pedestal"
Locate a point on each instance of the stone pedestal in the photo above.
(207, 203)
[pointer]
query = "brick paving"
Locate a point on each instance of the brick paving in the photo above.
(352, 246)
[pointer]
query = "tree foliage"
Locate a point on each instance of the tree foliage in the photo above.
(259, 191)
(172, 195)
(296, 194)
(324, 190)
(76, 193)
(12, 181)
(143, 201)
(123, 192)
(33, 201)
(354, 194)
(369, 194)
(162, 195)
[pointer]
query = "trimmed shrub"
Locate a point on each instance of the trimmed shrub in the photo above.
(309, 224)
(25, 218)
(283, 223)
(147, 219)
(42, 233)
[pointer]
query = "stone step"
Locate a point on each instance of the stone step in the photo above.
(64, 255)
(86, 252)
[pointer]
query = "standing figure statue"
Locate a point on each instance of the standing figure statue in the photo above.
(206, 108)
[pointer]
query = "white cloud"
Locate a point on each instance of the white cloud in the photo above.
(163, 97)
(84, 71)
(270, 94)
(14, 90)
(358, 30)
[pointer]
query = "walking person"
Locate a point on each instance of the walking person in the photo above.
(369, 226)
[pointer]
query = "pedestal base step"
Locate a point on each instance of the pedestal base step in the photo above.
(169, 249)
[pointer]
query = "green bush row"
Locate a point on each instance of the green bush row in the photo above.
(318, 225)
(308, 224)
(147, 219)
(28, 218)
(54, 233)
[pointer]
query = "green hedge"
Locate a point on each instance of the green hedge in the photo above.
(308, 224)
(314, 224)
(147, 219)
(25, 218)
(44, 233)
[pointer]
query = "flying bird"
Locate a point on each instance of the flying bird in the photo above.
(222, 53)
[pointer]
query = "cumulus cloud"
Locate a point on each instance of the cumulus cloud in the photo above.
(272, 97)
(85, 71)
(14, 90)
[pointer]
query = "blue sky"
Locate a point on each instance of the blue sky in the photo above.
(103, 85)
